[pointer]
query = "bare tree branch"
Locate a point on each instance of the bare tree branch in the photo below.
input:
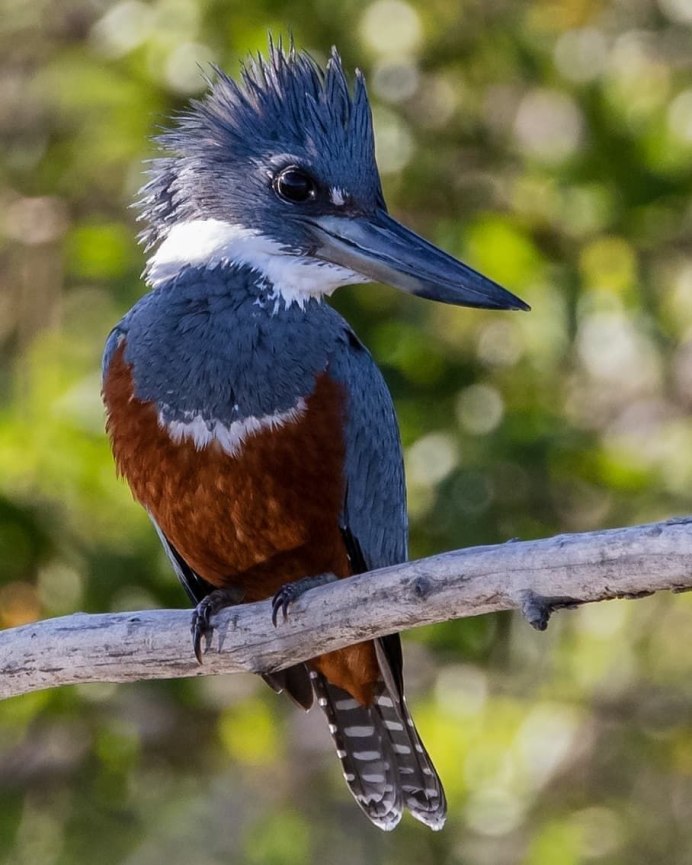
(532, 576)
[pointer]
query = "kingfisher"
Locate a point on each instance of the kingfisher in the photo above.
(247, 417)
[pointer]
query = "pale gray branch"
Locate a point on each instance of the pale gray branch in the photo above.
(156, 644)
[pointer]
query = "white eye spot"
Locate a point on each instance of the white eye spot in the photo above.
(338, 196)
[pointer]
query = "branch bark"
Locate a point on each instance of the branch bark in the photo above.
(156, 644)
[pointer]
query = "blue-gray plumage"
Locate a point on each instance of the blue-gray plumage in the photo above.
(235, 376)
(246, 415)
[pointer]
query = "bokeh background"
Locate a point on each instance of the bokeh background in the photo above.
(548, 143)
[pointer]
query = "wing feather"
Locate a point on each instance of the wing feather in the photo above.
(375, 502)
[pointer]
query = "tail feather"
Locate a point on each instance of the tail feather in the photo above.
(421, 787)
(419, 782)
(385, 764)
(367, 758)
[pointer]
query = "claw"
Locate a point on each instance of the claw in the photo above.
(200, 629)
(282, 601)
(201, 626)
(290, 592)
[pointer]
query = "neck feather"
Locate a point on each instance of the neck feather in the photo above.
(209, 243)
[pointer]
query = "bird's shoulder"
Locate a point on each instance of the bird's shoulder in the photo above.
(212, 339)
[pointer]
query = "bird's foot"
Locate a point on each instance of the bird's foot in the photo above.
(290, 592)
(201, 625)
(537, 609)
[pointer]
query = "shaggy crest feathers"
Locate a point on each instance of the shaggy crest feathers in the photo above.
(284, 104)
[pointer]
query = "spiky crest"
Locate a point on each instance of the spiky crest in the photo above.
(285, 103)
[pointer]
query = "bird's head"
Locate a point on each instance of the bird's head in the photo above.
(278, 172)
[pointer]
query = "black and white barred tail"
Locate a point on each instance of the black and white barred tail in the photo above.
(384, 761)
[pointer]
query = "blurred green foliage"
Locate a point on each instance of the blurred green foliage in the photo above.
(547, 142)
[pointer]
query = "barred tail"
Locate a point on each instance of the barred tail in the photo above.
(384, 761)
(366, 754)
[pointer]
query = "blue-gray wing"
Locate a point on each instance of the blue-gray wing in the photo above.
(375, 503)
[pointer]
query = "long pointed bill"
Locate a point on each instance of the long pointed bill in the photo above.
(383, 250)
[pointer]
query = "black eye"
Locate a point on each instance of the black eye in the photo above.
(295, 185)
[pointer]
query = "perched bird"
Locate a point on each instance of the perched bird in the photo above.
(247, 417)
